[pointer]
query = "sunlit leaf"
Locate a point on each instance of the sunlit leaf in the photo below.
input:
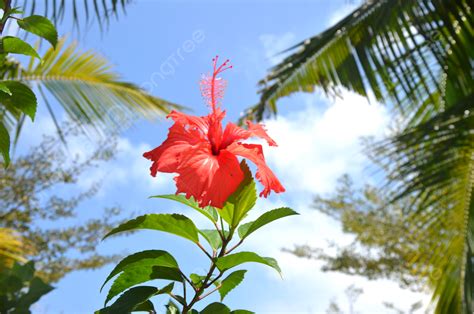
(230, 282)
(246, 229)
(144, 259)
(176, 224)
(40, 26)
(212, 237)
(242, 200)
(208, 211)
(232, 260)
(16, 45)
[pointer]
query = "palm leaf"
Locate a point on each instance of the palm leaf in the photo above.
(85, 85)
(396, 49)
(101, 11)
(433, 162)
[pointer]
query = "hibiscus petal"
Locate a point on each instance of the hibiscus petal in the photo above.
(208, 178)
(181, 138)
(258, 130)
(234, 133)
(254, 152)
(200, 124)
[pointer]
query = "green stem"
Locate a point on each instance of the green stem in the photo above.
(207, 280)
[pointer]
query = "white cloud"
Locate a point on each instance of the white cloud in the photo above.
(316, 148)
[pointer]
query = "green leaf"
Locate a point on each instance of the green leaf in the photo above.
(230, 282)
(25, 272)
(242, 200)
(197, 279)
(166, 289)
(40, 26)
(216, 308)
(4, 88)
(12, 44)
(172, 308)
(212, 237)
(144, 259)
(21, 100)
(180, 299)
(209, 211)
(129, 300)
(37, 289)
(168, 273)
(173, 223)
(232, 260)
(5, 144)
(246, 229)
(146, 306)
(137, 275)
(241, 312)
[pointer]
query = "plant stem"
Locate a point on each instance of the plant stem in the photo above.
(207, 282)
(235, 246)
(5, 11)
(204, 250)
(210, 292)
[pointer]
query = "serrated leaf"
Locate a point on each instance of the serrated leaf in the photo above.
(40, 26)
(230, 282)
(242, 200)
(212, 237)
(232, 260)
(12, 44)
(22, 99)
(5, 144)
(246, 229)
(144, 259)
(135, 276)
(216, 308)
(176, 224)
(129, 300)
(208, 211)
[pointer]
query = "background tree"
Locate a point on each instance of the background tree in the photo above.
(385, 242)
(12, 248)
(417, 57)
(29, 203)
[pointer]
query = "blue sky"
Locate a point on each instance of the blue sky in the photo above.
(318, 141)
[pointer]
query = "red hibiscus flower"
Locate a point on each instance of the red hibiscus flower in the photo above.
(204, 155)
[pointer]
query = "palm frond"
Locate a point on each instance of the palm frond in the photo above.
(395, 49)
(91, 93)
(433, 163)
(80, 12)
